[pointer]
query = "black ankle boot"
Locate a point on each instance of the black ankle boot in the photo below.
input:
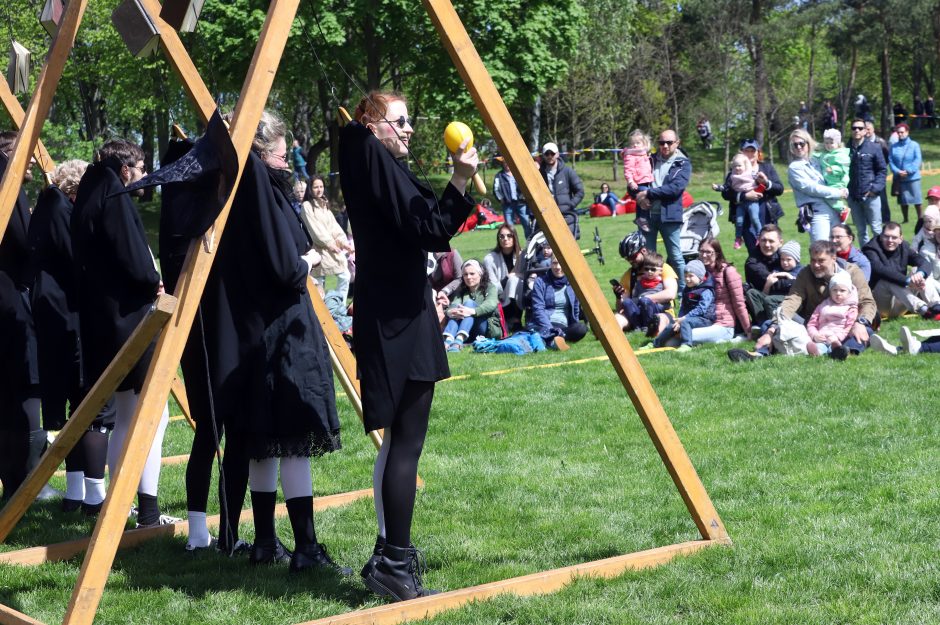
(398, 574)
(374, 558)
(315, 556)
(269, 551)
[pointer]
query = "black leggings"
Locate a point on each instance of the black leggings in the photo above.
(406, 440)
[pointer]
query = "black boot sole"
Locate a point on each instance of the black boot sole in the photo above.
(379, 588)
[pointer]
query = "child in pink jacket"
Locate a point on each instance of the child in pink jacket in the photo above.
(637, 167)
(833, 318)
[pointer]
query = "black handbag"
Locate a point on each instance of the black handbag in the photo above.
(804, 218)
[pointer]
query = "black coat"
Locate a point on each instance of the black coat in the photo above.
(19, 375)
(269, 366)
(396, 220)
(55, 304)
(892, 266)
(770, 210)
(116, 278)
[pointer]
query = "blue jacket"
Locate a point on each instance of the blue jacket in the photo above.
(669, 193)
(808, 184)
(867, 170)
(543, 304)
(699, 301)
(905, 156)
(857, 258)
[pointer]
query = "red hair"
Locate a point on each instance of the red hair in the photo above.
(372, 108)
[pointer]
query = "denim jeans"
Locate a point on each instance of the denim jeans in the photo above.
(866, 213)
(640, 312)
(753, 211)
(712, 334)
(824, 218)
(670, 232)
(685, 331)
(470, 327)
(342, 283)
(513, 209)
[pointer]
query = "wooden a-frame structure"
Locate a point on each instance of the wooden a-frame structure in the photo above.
(172, 316)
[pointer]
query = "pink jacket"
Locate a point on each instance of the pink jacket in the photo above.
(833, 321)
(729, 299)
(637, 166)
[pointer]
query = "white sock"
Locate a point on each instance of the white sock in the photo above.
(378, 473)
(150, 477)
(94, 490)
(75, 485)
(262, 475)
(295, 477)
(198, 531)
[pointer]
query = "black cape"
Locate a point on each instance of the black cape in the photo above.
(117, 280)
(19, 373)
(397, 220)
(269, 366)
(55, 305)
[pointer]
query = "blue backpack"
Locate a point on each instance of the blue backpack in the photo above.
(519, 343)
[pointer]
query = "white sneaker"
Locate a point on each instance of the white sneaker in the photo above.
(164, 519)
(880, 345)
(908, 342)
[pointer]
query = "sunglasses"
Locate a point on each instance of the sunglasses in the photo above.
(858, 128)
(666, 142)
(549, 153)
(798, 144)
(401, 122)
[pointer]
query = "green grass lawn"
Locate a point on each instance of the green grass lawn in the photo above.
(824, 474)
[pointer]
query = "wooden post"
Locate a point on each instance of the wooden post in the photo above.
(38, 110)
(514, 150)
(86, 412)
(104, 542)
(179, 392)
(17, 114)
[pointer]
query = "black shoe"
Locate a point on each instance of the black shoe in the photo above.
(271, 551)
(91, 509)
(239, 549)
(376, 556)
(315, 557)
(71, 505)
(742, 355)
(839, 353)
(398, 574)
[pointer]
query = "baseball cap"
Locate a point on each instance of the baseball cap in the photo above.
(934, 192)
(750, 143)
(549, 147)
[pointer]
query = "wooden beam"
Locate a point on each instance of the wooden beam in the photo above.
(179, 392)
(104, 542)
(17, 114)
(9, 616)
(513, 148)
(34, 556)
(86, 412)
(527, 585)
(38, 110)
(166, 461)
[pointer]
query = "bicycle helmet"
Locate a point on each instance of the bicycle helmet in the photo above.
(631, 244)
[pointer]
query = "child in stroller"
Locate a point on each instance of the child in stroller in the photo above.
(699, 222)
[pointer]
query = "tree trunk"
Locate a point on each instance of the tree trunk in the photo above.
(373, 47)
(847, 95)
(147, 132)
(887, 116)
(810, 81)
(756, 49)
(536, 117)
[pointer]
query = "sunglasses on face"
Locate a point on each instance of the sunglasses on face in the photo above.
(798, 145)
(549, 153)
(666, 142)
(857, 128)
(401, 122)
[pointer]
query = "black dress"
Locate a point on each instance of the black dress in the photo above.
(269, 366)
(55, 305)
(396, 220)
(117, 281)
(19, 374)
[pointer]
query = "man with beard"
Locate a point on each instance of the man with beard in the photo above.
(809, 289)
(117, 283)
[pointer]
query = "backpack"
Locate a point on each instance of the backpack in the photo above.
(519, 343)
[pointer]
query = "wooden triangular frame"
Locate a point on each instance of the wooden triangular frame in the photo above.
(172, 319)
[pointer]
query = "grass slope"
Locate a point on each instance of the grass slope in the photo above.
(824, 474)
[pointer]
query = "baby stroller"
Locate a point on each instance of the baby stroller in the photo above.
(699, 222)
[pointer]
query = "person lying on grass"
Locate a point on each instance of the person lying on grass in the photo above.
(810, 288)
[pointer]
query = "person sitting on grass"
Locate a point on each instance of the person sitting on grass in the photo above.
(766, 289)
(730, 303)
(897, 290)
(556, 310)
(909, 345)
(505, 268)
(473, 309)
(809, 289)
(843, 238)
(638, 308)
(833, 318)
(696, 311)
(633, 250)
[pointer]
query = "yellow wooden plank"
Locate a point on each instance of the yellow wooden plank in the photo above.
(516, 152)
(17, 114)
(9, 616)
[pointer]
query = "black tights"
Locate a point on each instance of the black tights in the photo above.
(406, 440)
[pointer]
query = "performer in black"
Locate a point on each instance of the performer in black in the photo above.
(22, 439)
(269, 366)
(55, 311)
(397, 220)
(117, 283)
